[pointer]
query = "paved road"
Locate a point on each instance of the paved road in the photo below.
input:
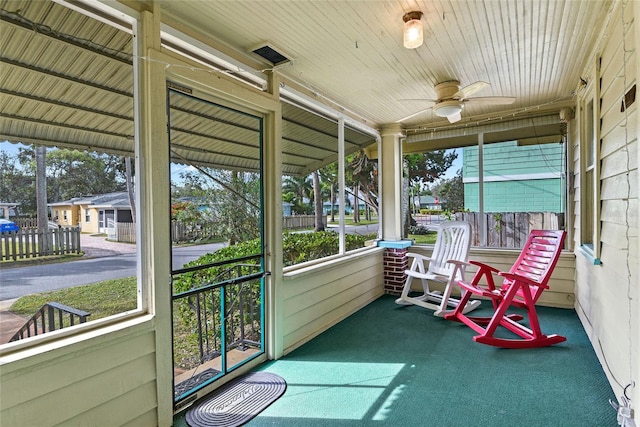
(16, 282)
(103, 260)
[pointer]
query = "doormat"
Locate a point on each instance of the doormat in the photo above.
(194, 381)
(237, 402)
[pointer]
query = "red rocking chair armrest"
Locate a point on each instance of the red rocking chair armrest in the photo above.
(516, 278)
(484, 266)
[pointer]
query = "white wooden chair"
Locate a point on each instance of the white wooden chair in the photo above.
(452, 243)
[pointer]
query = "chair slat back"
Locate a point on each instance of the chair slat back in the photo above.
(539, 255)
(453, 242)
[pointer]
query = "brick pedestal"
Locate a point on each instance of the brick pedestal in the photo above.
(395, 263)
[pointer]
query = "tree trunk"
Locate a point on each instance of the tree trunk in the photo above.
(45, 246)
(129, 181)
(356, 205)
(333, 202)
(317, 197)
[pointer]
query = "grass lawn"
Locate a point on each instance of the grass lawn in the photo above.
(424, 239)
(105, 299)
(101, 299)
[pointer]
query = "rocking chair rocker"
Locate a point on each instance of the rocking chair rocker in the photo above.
(522, 286)
(452, 243)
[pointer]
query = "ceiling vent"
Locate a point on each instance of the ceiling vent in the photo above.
(270, 54)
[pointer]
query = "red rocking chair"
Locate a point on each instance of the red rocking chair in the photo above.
(522, 286)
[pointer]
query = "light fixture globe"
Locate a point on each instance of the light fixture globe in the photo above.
(413, 32)
(448, 108)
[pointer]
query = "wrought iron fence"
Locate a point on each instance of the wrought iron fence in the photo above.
(50, 317)
(220, 314)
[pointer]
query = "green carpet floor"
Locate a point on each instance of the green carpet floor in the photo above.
(388, 365)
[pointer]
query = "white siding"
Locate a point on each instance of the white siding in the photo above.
(607, 294)
(318, 298)
(107, 377)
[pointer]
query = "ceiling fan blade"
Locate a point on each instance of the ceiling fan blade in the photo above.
(469, 90)
(492, 100)
(430, 101)
(413, 115)
(454, 118)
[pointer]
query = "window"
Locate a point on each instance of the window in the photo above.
(102, 110)
(589, 182)
(87, 216)
(504, 189)
(344, 178)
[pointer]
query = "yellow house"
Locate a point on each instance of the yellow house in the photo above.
(143, 78)
(65, 213)
(93, 214)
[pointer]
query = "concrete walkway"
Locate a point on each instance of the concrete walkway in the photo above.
(94, 246)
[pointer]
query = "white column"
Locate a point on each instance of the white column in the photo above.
(272, 178)
(390, 178)
(152, 198)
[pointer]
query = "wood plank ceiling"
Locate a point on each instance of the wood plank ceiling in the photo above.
(66, 79)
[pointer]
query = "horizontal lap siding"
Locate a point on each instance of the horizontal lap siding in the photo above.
(606, 293)
(110, 377)
(561, 285)
(318, 299)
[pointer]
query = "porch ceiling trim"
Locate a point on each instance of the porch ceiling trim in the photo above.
(542, 129)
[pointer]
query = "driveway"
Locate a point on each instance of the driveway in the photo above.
(97, 246)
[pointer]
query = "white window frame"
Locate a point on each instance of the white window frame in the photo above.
(590, 142)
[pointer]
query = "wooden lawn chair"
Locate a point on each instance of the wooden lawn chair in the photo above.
(522, 286)
(452, 243)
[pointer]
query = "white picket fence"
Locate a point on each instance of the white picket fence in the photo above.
(26, 243)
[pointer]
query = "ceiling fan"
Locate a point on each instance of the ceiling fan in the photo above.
(451, 99)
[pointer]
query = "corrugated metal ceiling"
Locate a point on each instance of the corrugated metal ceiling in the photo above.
(67, 81)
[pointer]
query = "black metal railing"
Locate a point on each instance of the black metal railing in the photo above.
(228, 309)
(50, 317)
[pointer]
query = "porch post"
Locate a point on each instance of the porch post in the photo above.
(390, 175)
(390, 171)
(152, 199)
(274, 297)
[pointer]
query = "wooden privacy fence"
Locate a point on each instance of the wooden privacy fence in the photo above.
(180, 232)
(26, 243)
(301, 221)
(510, 229)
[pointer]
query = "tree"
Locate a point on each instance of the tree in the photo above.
(362, 177)
(451, 192)
(76, 173)
(295, 189)
(329, 179)
(425, 168)
(231, 199)
(16, 186)
(317, 198)
(129, 183)
(41, 200)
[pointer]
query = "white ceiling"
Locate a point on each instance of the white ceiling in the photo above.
(351, 51)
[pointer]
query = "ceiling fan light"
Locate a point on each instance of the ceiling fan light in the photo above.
(413, 32)
(447, 108)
